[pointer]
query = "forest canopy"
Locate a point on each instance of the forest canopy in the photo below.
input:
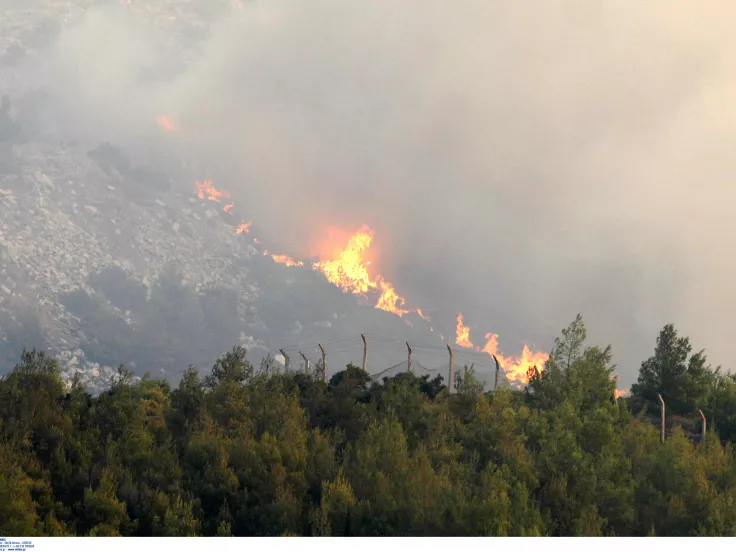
(243, 451)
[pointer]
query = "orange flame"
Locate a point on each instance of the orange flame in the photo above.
(165, 123)
(389, 300)
(286, 260)
(516, 368)
(463, 334)
(619, 392)
(227, 207)
(349, 272)
(207, 190)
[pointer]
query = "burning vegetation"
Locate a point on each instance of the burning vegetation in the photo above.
(349, 270)
(516, 368)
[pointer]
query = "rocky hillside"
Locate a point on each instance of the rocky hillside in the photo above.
(108, 256)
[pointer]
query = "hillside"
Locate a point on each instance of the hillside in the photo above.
(120, 243)
(102, 266)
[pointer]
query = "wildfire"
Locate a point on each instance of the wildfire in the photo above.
(285, 260)
(205, 190)
(516, 368)
(619, 392)
(389, 300)
(165, 123)
(349, 272)
(463, 334)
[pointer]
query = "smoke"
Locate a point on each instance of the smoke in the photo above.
(519, 161)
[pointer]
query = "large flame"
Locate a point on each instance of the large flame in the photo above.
(516, 368)
(463, 334)
(349, 272)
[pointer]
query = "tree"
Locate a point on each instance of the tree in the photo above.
(353, 379)
(232, 367)
(581, 376)
(269, 453)
(569, 347)
(467, 382)
(18, 515)
(682, 383)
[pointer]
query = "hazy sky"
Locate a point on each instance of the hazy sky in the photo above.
(520, 161)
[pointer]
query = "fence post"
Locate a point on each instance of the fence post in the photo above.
(498, 369)
(661, 400)
(409, 349)
(324, 362)
(306, 361)
(365, 353)
(451, 374)
(287, 360)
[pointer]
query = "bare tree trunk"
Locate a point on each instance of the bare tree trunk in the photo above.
(409, 349)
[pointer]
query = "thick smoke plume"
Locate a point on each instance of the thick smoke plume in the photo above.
(519, 161)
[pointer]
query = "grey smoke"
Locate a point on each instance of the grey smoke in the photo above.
(519, 161)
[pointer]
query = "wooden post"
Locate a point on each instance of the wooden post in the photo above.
(365, 353)
(498, 369)
(287, 360)
(451, 374)
(324, 362)
(704, 425)
(662, 403)
(409, 349)
(306, 361)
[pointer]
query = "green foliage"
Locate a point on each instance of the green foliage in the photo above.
(260, 452)
(467, 382)
(232, 367)
(682, 382)
(573, 374)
